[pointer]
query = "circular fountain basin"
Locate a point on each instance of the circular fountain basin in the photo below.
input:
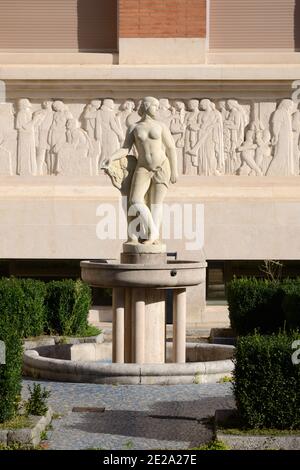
(174, 274)
(91, 363)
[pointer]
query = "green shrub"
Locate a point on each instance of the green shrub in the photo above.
(37, 401)
(33, 314)
(291, 304)
(11, 311)
(255, 304)
(266, 382)
(67, 307)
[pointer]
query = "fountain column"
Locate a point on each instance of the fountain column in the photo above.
(179, 325)
(118, 325)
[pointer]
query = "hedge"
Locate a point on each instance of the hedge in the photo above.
(33, 311)
(266, 382)
(255, 304)
(29, 308)
(67, 307)
(291, 305)
(11, 332)
(263, 305)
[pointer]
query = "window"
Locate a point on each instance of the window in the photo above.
(254, 24)
(58, 25)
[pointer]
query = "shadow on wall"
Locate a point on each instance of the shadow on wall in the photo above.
(97, 25)
(297, 25)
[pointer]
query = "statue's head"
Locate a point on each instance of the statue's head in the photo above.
(150, 106)
(193, 105)
(164, 103)
(286, 104)
(128, 105)
(232, 104)
(109, 103)
(222, 105)
(58, 105)
(205, 104)
(24, 103)
(96, 104)
(179, 105)
(47, 104)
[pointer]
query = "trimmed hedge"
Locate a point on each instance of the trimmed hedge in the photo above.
(30, 308)
(11, 332)
(33, 311)
(291, 305)
(266, 382)
(263, 305)
(67, 307)
(255, 304)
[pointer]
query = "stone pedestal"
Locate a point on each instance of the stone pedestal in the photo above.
(139, 285)
(142, 313)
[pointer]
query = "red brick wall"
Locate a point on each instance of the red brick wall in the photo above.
(162, 18)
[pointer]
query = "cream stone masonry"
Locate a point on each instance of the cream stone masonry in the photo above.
(186, 72)
(136, 51)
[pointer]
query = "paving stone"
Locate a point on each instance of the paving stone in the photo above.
(135, 416)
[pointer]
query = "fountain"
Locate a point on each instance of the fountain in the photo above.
(139, 281)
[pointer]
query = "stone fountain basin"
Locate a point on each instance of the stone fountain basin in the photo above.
(174, 274)
(89, 363)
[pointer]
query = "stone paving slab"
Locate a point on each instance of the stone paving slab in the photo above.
(135, 417)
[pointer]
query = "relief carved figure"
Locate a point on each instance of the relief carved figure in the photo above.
(226, 133)
(5, 159)
(58, 134)
(73, 154)
(283, 160)
(43, 121)
(177, 128)
(235, 124)
(26, 152)
(156, 167)
(191, 137)
(112, 133)
(296, 140)
(263, 155)
(164, 112)
(92, 126)
(248, 149)
(127, 115)
(209, 148)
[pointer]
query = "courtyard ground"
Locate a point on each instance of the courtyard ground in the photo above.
(135, 416)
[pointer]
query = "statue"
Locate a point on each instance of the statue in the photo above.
(283, 160)
(43, 121)
(153, 170)
(26, 152)
(94, 132)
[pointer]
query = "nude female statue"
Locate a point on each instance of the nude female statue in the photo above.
(156, 167)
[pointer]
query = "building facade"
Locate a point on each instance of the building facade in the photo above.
(225, 72)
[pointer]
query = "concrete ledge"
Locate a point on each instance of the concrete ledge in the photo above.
(27, 435)
(200, 72)
(40, 367)
(251, 441)
(53, 340)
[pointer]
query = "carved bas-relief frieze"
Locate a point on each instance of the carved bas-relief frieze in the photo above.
(212, 137)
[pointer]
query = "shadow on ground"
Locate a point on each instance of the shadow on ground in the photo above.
(188, 421)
